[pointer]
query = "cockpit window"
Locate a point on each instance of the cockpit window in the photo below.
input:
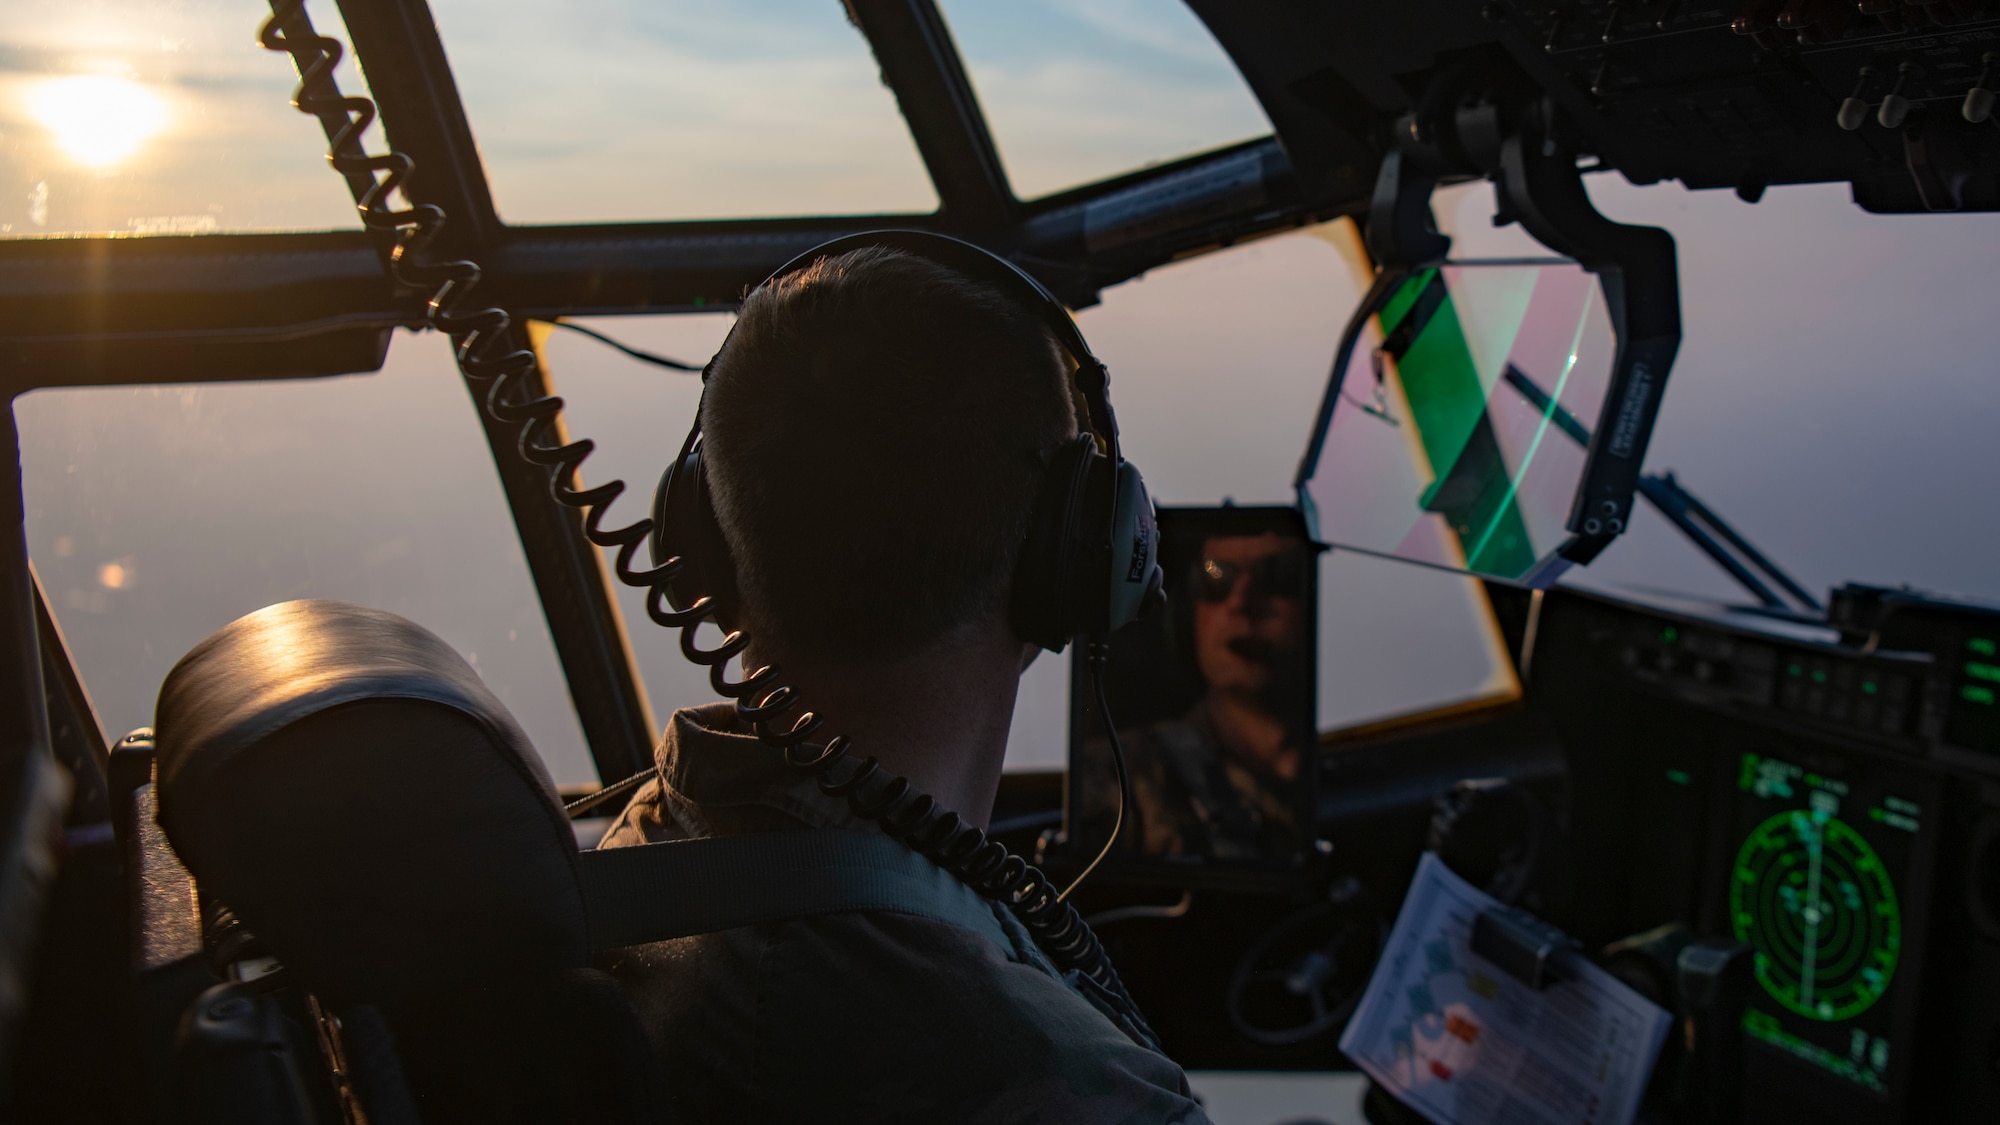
(611, 110)
(635, 414)
(158, 117)
(1205, 354)
(1076, 92)
(156, 515)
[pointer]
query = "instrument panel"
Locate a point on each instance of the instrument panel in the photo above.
(1810, 792)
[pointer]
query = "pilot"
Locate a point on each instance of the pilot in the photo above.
(1222, 780)
(875, 429)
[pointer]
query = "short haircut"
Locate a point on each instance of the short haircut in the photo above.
(874, 431)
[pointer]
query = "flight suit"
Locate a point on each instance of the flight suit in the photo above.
(1190, 797)
(864, 1016)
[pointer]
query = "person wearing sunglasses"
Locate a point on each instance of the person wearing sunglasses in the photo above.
(1221, 781)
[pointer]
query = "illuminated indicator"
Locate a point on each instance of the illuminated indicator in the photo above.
(1819, 675)
(1973, 693)
(1795, 670)
(1813, 901)
(1678, 777)
(1868, 687)
(1978, 671)
(1983, 646)
(1669, 635)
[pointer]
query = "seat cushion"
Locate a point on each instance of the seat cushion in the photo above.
(340, 777)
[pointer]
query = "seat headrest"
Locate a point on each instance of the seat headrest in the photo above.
(341, 778)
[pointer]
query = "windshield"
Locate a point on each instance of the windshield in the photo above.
(134, 117)
(1833, 388)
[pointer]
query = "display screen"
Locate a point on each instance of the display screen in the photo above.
(1819, 887)
(1212, 701)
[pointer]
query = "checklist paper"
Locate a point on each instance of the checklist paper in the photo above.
(1460, 1041)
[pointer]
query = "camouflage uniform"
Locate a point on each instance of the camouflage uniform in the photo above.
(1192, 799)
(866, 1016)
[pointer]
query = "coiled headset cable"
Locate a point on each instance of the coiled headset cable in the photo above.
(490, 362)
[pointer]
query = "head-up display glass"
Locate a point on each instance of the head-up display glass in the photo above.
(1459, 433)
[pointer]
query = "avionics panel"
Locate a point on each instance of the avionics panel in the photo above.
(1972, 709)
(1962, 637)
(1824, 870)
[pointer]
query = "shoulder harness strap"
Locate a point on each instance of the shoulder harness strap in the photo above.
(654, 892)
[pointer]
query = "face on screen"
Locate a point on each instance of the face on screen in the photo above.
(1249, 624)
(1212, 699)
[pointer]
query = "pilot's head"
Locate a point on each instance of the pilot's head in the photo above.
(1249, 613)
(875, 430)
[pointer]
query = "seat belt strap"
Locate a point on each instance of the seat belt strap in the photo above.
(655, 892)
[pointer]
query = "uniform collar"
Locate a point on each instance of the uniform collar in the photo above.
(707, 758)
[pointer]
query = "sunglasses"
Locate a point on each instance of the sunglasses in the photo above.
(1274, 576)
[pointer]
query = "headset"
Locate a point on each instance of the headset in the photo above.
(1089, 563)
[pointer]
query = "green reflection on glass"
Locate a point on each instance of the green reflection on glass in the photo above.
(1421, 330)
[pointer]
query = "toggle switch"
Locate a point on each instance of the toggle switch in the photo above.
(1854, 108)
(1895, 107)
(1979, 100)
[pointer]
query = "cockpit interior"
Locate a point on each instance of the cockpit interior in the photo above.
(1565, 420)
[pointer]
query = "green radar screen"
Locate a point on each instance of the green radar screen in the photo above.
(1816, 905)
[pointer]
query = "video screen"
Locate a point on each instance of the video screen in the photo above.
(1821, 886)
(1213, 701)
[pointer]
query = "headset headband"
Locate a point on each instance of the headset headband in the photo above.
(982, 265)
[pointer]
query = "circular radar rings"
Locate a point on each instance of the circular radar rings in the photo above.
(1816, 905)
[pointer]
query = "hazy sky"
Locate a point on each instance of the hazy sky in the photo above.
(1836, 397)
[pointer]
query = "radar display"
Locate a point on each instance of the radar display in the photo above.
(1811, 898)
(1814, 891)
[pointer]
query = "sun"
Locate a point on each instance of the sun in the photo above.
(98, 120)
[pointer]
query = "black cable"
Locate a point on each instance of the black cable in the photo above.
(639, 354)
(1097, 654)
(590, 801)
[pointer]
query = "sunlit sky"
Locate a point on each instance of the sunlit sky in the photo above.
(121, 115)
(1836, 396)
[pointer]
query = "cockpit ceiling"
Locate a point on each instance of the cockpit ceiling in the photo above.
(1743, 93)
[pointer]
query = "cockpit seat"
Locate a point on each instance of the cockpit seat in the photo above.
(343, 781)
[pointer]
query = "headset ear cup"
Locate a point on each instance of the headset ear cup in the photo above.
(1044, 604)
(1137, 584)
(684, 524)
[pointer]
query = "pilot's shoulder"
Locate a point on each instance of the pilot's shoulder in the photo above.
(942, 1016)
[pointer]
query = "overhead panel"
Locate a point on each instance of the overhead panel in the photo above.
(627, 110)
(158, 117)
(1076, 93)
